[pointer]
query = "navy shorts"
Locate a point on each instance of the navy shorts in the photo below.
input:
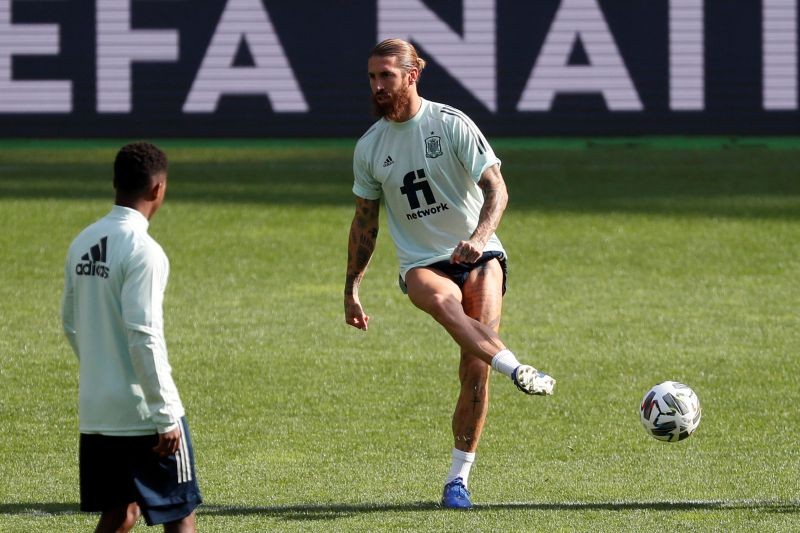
(459, 272)
(116, 471)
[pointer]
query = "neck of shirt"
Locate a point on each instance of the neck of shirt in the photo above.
(132, 215)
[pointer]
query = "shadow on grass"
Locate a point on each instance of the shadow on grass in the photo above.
(334, 510)
(741, 182)
(35, 509)
(322, 512)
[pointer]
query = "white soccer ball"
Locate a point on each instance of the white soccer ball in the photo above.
(670, 411)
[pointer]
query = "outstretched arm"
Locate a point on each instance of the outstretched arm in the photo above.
(361, 245)
(495, 199)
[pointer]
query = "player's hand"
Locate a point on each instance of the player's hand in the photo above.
(467, 252)
(168, 442)
(354, 315)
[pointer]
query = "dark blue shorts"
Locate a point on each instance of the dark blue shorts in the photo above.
(116, 471)
(458, 272)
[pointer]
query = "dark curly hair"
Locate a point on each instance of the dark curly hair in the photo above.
(135, 166)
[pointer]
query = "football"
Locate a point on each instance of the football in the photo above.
(670, 411)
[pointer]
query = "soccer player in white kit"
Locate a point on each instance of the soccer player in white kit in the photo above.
(444, 195)
(136, 454)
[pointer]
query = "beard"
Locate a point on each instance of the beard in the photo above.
(393, 108)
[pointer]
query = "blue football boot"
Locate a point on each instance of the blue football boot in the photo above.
(456, 495)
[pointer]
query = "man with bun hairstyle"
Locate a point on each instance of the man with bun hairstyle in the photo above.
(441, 185)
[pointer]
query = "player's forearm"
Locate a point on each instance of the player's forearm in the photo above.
(149, 358)
(359, 252)
(361, 244)
(495, 199)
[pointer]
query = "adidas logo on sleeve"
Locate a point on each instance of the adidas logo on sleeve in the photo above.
(91, 262)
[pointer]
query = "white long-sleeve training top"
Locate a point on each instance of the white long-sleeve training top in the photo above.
(114, 283)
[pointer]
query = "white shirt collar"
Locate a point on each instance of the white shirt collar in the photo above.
(131, 215)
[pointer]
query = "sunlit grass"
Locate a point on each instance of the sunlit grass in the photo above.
(629, 266)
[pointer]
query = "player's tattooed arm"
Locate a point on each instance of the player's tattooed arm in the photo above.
(495, 199)
(361, 245)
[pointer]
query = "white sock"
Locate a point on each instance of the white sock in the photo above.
(461, 465)
(505, 362)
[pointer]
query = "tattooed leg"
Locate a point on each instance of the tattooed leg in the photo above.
(482, 300)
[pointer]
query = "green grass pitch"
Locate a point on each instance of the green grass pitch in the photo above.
(632, 261)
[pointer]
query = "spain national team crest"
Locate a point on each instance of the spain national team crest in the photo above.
(433, 147)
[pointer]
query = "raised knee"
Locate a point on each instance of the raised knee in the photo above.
(443, 306)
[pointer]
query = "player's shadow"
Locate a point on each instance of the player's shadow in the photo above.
(302, 512)
(333, 511)
(39, 509)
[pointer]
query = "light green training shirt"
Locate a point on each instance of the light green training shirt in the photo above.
(114, 283)
(426, 170)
